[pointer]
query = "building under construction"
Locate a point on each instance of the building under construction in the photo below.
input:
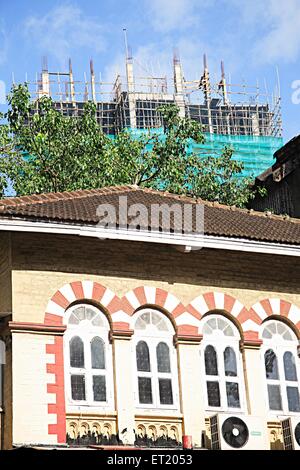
(244, 117)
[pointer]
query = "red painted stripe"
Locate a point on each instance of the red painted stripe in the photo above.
(229, 302)
(245, 315)
(51, 319)
(267, 307)
(209, 298)
(251, 336)
(285, 308)
(126, 306)
(120, 325)
(114, 305)
(77, 289)
(58, 388)
(98, 292)
(52, 429)
(193, 311)
(51, 368)
(178, 310)
(254, 316)
(140, 295)
(60, 299)
(160, 297)
(187, 330)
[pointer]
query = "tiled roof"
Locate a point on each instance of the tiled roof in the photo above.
(80, 207)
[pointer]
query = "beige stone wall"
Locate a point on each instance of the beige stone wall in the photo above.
(30, 397)
(7, 399)
(124, 395)
(42, 264)
(192, 391)
(5, 275)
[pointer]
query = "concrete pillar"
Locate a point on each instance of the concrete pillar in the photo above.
(131, 94)
(190, 386)
(45, 84)
(124, 392)
(178, 85)
(254, 380)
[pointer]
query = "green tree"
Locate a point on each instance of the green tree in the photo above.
(45, 151)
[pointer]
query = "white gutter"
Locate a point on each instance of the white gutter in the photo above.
(187, 242)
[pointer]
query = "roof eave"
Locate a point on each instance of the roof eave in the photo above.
(186, 242)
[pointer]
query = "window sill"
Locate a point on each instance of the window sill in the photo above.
(90, 410)
(225, 411)
(157, 412)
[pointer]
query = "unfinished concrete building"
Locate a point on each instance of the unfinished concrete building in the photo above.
(241, 116)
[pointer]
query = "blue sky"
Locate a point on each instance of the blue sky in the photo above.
(253, 38)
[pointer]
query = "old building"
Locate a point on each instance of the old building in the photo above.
(115, 335)
(282, 182)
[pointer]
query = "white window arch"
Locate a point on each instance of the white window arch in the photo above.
(281, 367)
(155, 361)
(222, 365)
(88, 358)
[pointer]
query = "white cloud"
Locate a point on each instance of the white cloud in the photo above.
(167, 15)
(282, 41)
(64, 29)
(274, 27)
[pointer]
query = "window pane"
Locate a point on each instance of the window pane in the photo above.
(287, 336)
(213, 393)
(97, 321)
(142, 357)
(230, 363)
(78, 387)
(289, 366)
(97, 353)
(76, 352)
(211, 364)
(221, 324)
(99, 387)
(73, 320)
(145, 390)
(79, 312)
(274, 397)
(165, 392)
(233, 396)
(293, 398)
(228, 331)
(89, 313)
(271, 365)
(163, 358)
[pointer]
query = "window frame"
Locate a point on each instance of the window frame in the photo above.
(152, 340)
(87, 332)
(280, 348)
(220, 343)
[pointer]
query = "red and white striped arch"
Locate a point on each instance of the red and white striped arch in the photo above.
(155, 296)
(79, 290)
(121, 310)
(274, 306)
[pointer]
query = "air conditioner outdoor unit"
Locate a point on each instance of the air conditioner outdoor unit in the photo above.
(291, 433)
(230, 432)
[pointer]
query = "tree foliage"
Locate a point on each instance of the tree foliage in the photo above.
(46, 151)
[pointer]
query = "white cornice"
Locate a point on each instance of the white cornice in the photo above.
(186, 243)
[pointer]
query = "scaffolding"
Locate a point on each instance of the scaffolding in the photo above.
(228, 112)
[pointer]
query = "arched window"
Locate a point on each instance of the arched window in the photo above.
(280, 353)
(88, 361)
(223, 374)
(156, 364)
